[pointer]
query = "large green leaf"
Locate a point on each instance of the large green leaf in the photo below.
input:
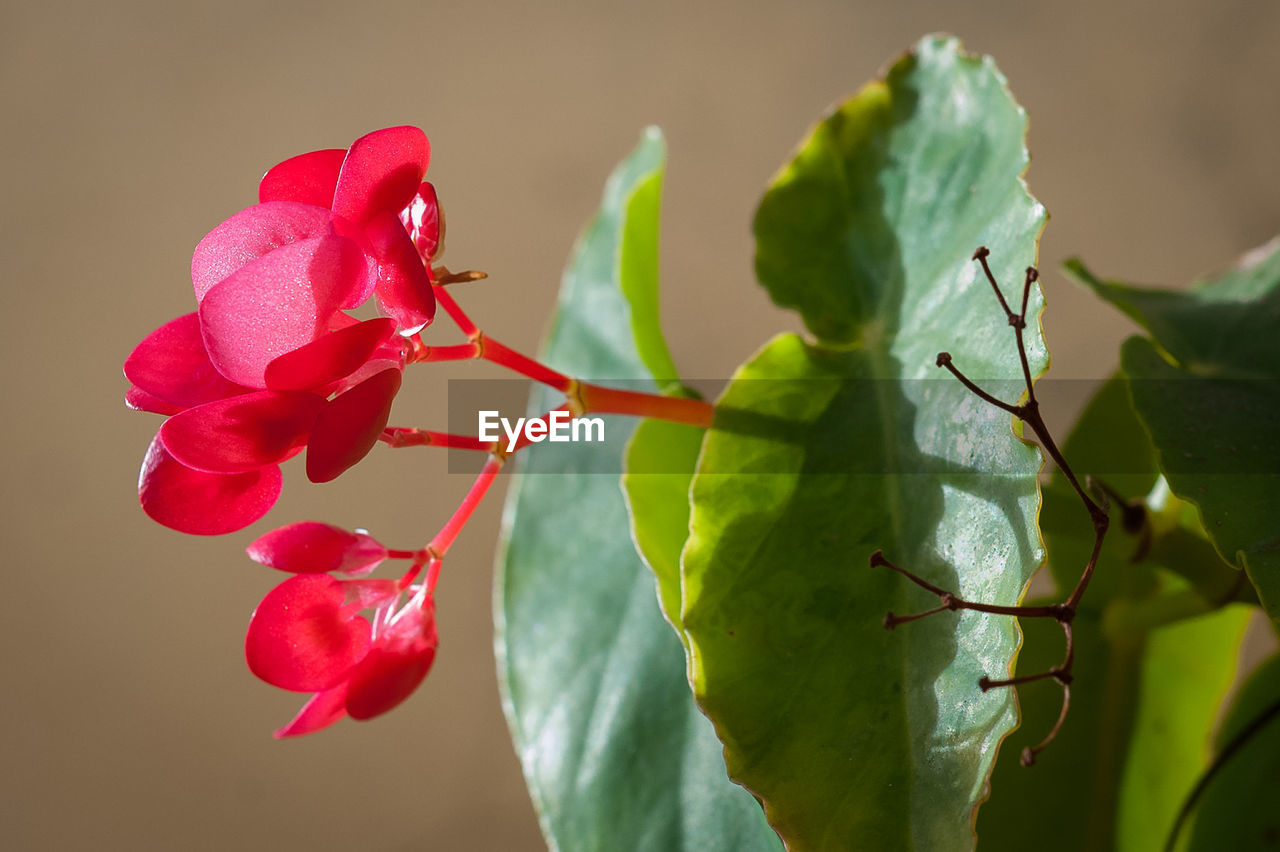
(1238, 808)
(1208, 395)
(855, 737)
(1145, 692)
(614, 750)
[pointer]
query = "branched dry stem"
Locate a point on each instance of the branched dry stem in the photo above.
(1028, 411)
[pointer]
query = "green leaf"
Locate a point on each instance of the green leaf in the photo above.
(1223, 325)
(1206, 430)
(1142, 701)
(927, 159)
(1238, 808)
(660, 464)
(1186, 672)
(615, 753)
(1206, 391)
(638, 278)
(855, 737)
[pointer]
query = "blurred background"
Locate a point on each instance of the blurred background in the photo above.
(128, 719)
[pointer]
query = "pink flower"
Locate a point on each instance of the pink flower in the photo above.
(214, 465)
(310, 547)
(307, 634)
(271, 362)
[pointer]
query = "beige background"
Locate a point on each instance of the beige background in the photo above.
(128, 720)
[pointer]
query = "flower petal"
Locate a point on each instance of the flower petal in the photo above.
(424, 220)
(172, 365)
(310, 547)
(307, 178)
(404, 288)
(277, 303)
(324, 709)
(349, 425)
(242, 433)
(139, 400)
(303, 637)
(199, 503)
(381, 173)
(396, 665)
(329, 358)
(371, 592)
(250, 234)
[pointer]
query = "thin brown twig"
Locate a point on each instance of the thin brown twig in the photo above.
(1027, 411)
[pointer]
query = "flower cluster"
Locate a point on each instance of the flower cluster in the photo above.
(272, 361)
(307, 635)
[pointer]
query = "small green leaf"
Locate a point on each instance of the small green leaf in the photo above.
(638, 277)
(615, 753)
(1207, 396)
(853, 736)
(660, 464)
(1238, 808)
(1223, 325)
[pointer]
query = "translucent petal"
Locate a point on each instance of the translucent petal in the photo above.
(278, 303)
(349, 425)
(199, 503)
(320, 712)
(369, 593)
(404, 288)
(311, 547)
(307, 178)
(424, 219)
(395, 666)
(243, 433)
(334, 356)
(172, 365)
(381, 173)
(250, 234)
(303, 637)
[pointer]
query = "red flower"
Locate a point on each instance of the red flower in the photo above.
(307, 635)
(310, 547)
(271, 362)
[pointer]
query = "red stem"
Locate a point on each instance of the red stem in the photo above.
(495, 352)
(524, 440)
(440, 545)
(433, 575)
(409, 576)
(597, 399)
(589, 398)
(456, 313)
(401, 436)
(457, 352)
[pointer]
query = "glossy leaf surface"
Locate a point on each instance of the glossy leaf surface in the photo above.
(615, 753)
(854, 736)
